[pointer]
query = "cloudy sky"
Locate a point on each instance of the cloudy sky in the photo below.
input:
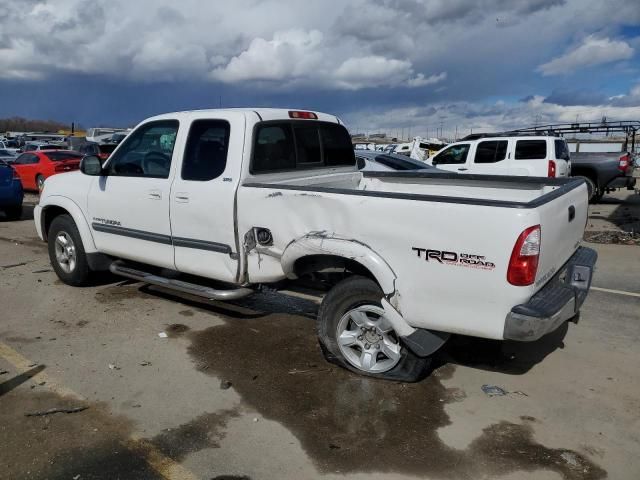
(381, 65)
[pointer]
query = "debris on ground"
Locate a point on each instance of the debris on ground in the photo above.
(44, 270)
(613, 236)
(113, 367)
(225, 384)
(4, 267)
(495, 391)
(163, 335)
(51, 411)
(145, 363)
(2, 372)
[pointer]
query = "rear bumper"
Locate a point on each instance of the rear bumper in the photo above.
(558, 301)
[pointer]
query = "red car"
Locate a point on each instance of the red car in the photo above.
(35, 167)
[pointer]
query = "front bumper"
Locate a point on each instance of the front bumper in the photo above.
(556, 302)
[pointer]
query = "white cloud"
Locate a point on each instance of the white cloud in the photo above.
(593, 51)
(420, 80)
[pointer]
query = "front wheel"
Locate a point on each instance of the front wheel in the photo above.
(355, 334)
(66, 252)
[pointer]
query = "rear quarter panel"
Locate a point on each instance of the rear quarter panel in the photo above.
(447, 296)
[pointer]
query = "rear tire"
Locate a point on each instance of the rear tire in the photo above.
(592, 189)
(13, 213)
(66, 252)
(354, 334)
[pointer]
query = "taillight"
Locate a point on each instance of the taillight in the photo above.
(623, 163)
(304, 115)
(551, 170)
(523, 264)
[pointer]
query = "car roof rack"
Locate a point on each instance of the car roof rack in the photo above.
(512, 133)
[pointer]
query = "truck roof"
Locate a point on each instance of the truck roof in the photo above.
(262, 114)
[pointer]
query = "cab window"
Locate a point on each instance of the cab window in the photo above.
(146, 152)
(453, 155)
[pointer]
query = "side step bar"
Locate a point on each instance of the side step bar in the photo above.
(120, 268)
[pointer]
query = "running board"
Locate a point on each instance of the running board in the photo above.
(120, 268)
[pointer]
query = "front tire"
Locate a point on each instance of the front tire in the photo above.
(354, 334)
(66, 252)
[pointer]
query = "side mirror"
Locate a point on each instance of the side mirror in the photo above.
(90, 165)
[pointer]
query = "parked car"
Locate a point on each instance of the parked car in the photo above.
(9, 146)
(38, 146)
(99, 150)
(36, 166)
(504, 154)
(603, 171)
(378, 161)
(11, 193)
(218, 203)
(7, 156)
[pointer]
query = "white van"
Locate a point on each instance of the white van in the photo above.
(530, 156)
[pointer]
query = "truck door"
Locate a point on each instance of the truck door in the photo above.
(129, 205)
(203, 198)
(453, 158)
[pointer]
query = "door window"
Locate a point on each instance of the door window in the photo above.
(531, 149)
(27, 159)
(491, 151)
(562, 150)
(205, 156)
(453, 155)
(146, 152)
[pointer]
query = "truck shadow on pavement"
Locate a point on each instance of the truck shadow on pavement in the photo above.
(348, 423)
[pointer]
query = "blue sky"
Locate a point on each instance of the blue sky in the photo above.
(381, 65)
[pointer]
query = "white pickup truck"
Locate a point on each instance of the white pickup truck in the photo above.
(217, 203)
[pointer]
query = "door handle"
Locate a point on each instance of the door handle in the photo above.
(182, 197)
(463, 169)
(154, 194)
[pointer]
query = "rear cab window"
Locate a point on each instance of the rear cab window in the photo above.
(531, 150)
(297, 145)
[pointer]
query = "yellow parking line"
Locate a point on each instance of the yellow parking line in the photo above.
(618, 292)
(154, 458)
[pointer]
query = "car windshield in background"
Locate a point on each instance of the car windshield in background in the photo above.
(59, 156)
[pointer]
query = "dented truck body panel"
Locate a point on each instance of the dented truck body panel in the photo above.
(437, 245)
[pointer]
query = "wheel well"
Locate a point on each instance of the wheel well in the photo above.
(329, 269)
(48, 214)
(585, 172)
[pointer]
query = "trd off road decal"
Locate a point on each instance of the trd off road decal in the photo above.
(453, 258)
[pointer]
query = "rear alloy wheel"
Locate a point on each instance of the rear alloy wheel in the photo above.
(66, 252)
(355, 334)
(367, 340)
(40, 182)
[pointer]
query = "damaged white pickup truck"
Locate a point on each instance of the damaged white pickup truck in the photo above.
(218, 203)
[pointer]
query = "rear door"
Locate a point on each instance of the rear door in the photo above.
(490, 158)
(453, 158)
(203, 197)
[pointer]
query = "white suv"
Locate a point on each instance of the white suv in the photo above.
(495, 154)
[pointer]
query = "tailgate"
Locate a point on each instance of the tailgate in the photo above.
(562, 221)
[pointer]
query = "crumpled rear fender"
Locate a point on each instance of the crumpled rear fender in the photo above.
(320, 243)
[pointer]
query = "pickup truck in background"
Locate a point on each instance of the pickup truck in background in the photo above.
(218, 203)
(603, 172)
